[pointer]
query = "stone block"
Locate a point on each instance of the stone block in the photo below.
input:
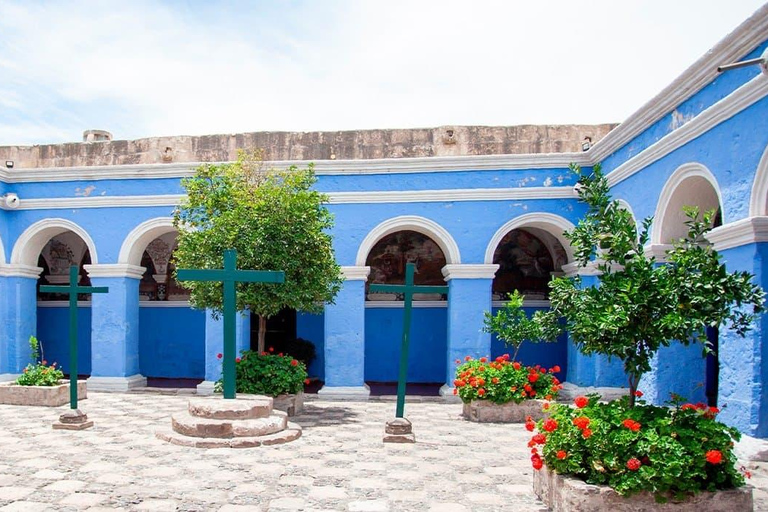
(484, 411)
(48, 396)
(564, 494)
(188, 425)
(292, 404)
(242, 408)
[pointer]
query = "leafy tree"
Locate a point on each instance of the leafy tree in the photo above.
(512, 326)
(639, 304)
(274, 220)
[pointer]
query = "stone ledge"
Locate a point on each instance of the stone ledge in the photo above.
(117, 384)
(571, 391)
(484, 411)
(292, 433)
(566, 494)
(188, 425)
(46, 396)
(242, 408)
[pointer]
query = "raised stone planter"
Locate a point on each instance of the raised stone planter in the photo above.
(48, 396)
(484, 411)
(290, 404)
(565, 494)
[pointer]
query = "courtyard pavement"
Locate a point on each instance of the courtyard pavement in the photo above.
(340, 462)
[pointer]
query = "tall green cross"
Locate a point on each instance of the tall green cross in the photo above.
(408, 289)
(73, 290)
(229, 275)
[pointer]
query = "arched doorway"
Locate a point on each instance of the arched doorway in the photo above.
(384, 314)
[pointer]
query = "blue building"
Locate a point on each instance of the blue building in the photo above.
(481, 209)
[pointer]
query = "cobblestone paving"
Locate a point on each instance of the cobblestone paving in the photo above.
(339, 463)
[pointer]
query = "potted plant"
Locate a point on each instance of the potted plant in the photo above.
(505, 390)
(277, 375)
(635, 449)
(39, 383)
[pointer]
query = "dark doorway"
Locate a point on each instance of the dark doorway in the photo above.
(713, 368)
(281, 328)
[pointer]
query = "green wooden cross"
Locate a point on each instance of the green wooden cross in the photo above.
(229, 275)
(73, 290)
(408, 289)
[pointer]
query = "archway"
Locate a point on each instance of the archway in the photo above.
(387, 259)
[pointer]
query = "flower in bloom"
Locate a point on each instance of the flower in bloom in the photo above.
(586, 433)
(481, 392)
(536, 461)
(581, 422)
(458, 361)
(529, 426)
(468, 358)
(581, 401)
(458, 383)
(483, 359)
(306, 381)
(638, 394)
(633, 464)
(531, 443)
(539, 439)
(561, 454)
(237, 359)
(550, 425)
(294, 363)
(533, 377)
(548, 397)
(516, 365)
(219, 355)
(271, 349)
(631, 425)
(455, 391)
(481, 368)
(556, 369)
(495, 380)
(45, 362)
(714, 456)
(686, 407)
(711, 412)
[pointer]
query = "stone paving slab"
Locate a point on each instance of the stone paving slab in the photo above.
(340, 462)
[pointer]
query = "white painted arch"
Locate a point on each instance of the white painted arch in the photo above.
(549, 222)
(691, 184)
(137, 240)
(2, 252)
(27, 248)
(758, 201)
(421, 225)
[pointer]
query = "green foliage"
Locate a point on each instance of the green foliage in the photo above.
(671, 452)
(503, 381)
(512, 326)
(39, 373)
(299, 348)
(275, 221)
(267, 374)
(640, 305)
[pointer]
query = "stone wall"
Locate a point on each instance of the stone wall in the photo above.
(342, 145)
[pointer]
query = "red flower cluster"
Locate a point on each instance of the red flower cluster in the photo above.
(478, 378)
(561, 454)
(714, 456)
(581, 422)
(581, 401)
(550, 425)
(707, 412)
(294, 363)
(633, 464)
(529, 424)
(631, 425)
(536, 461)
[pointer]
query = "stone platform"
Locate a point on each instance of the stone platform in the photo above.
(214, 422)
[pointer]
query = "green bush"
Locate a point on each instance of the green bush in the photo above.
(299, 348)
(503, 381)
(267, 374)
(671, 452)
(39, 373)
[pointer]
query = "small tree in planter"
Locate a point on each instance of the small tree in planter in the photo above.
(638, 307)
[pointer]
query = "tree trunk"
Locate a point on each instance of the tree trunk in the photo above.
(633, 382)
(262, 333)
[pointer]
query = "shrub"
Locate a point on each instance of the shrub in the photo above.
(267, 374)
(671, 452)
(502, 381)
(39, 374)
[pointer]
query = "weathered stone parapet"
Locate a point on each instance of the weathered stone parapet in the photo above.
(339, 145)
(483, 411)
(565, 494)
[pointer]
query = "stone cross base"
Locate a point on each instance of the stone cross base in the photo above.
(73, 420)
(399, 430)
(244, 422)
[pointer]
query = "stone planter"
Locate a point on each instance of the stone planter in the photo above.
(290, 404)
(565, 494)
(484, 411)
(49, 396)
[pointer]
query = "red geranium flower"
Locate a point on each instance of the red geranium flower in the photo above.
(306, 381)
(638, 394)
(581, 401)
(631, 425)
(536, 461)
(483, 359)
(686, 407)
(633, 464)
(529, 426)
(516, 365)
(533, 377)
(556, 369)
(480, 392)
(550, 425)
(539, 439)
(468, 358)
(581, 422)
(586, 433)
(219, 355)
(271, 349)
(495, 380)
(561, 454)
(714, 456)
(294, 363)
(237, 359)
(455, 391)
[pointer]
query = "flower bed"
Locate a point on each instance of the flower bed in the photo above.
(672, 453)
(504, 391)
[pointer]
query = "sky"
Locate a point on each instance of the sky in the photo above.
(149, 68)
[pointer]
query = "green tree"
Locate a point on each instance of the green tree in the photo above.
(275, 221)
(640, 305)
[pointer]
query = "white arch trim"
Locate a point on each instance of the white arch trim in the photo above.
(682, 173)
(2, 252)
(410, 223)
(758, 200)
(549, 222)
(137, 240)
(27, 248)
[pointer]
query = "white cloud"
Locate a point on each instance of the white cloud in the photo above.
(144, 69)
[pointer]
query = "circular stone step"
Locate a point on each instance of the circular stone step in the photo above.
(254, 406)
(194, 426)
(291, 433)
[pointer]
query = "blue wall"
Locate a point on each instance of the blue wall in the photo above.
(312, 328)
(53, 333)
(428, 344)
(172, 342)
